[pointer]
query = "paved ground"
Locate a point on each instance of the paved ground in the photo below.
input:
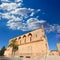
(4, 58)
(42, 58)
(50, 58)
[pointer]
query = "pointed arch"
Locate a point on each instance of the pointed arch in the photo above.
(30, 36)
(20, 37)
(24, 36)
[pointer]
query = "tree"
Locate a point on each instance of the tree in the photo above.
(2, 51)
(14, 46)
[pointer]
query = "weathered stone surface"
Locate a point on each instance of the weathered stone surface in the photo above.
(32, 44)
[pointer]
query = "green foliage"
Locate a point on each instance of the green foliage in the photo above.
(2, 51)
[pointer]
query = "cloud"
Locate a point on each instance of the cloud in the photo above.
(32, 14)
(52, 28)
(15, 25)
(42, 21)
(58, 28)
(38, 10)
(6, 16)
(9, 17)
(5, 1)
(30, 24)
(18, 0)
(9, 6)
(33, 23)
(17, 15)
(35, 20)
(25, 12)
(22, 18)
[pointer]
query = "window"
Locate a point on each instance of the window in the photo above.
(24, 38)
(19, 37)
(30, 36)
(19, 40)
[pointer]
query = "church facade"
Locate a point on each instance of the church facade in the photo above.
(31, 44)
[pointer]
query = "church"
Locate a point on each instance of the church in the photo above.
(32, 44)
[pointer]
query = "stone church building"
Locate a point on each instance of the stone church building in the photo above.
(31, 44)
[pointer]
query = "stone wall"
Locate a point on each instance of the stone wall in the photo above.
(58, 46)
(8, 52)
(32, 44)
(54, 52)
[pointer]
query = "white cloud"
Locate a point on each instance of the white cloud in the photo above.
(38, 10)
(6, 16)
(32, 20)
(42, 21)
(32, 14)
(14, 8)
(5, 1)
(35, 20)
(25, 12)
(34, 23)
(18, 0)
(30, 24)
(52, 28)
(18, 17)
(8, 6)
(22, 12)
(58, 28)
(17, 25)
(14, 25)
(10, 17)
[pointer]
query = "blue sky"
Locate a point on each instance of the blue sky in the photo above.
(18, 17)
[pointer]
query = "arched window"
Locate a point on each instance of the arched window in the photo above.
(24, 38)
(19, 40)
(30, 36)
(19, 37)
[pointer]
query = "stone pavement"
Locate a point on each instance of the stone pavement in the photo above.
(42, 58)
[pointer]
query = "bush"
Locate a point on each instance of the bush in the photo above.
(2, 51)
